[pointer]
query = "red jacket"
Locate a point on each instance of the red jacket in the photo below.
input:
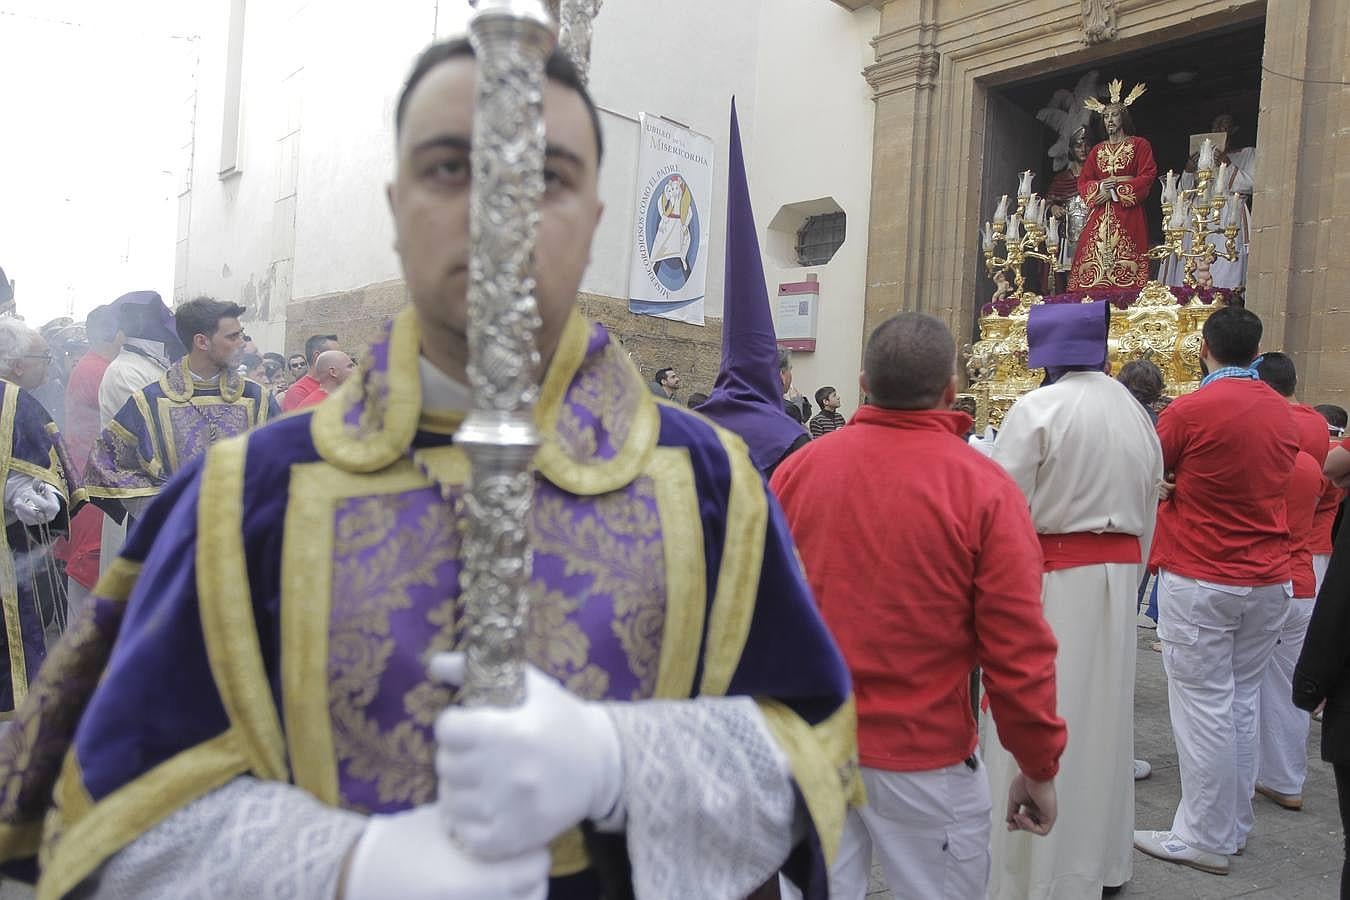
(313, 398)
(296, 393)
(81, 550)
(1305, 489)
(1231, 447)
(925, 564)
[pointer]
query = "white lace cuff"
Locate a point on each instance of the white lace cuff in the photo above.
(249, 838)
(707, 797)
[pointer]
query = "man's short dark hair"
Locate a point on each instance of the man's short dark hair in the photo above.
(1143, 379)
(314, 346)
(1277, 370)
(1335, 415)
(909, 361)
(1233, 335)
(559, 68)
(821, 394)
(662, 374)
(202, 316)
(101, 324)
(250, 361)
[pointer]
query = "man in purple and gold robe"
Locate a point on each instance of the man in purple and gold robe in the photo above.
(37, 502)
(246, 709)
(200, 400)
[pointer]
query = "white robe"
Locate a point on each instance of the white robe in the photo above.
(1085, 454)
(128, 373)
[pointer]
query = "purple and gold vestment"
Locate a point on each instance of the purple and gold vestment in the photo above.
(29, 581)
(273, 613)
(164, 426)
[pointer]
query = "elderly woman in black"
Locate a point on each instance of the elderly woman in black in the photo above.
(1322, 677)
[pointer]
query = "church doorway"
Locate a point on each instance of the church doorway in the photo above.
(1191, 81)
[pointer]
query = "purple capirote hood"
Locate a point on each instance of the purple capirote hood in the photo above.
(747, 397)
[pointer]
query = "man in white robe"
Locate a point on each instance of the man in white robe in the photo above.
(141, 318)
(1085, 454)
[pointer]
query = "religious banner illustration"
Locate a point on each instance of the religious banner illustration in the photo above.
(669, 272)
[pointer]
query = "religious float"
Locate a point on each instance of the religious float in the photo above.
(1149, 320)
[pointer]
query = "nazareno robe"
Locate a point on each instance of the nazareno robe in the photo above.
(164, 426)
(30, 588)
(273, 612)
(1113, 248)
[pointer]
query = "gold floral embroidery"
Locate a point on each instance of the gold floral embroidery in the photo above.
(369, 589)
(1110, 258)
(1115, 158)
(1126, 194)
(603, 389)
(619, 546)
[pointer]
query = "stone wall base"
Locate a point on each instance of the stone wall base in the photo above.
(357, 316)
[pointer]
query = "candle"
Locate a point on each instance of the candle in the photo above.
(1169, 194)
(1014, 231)
(1206, 160)
(1052, 239)
(1232, 212)
(1024, 188)
(1001, 214)
(988, 237)
(1178, 220)
(1221, 184)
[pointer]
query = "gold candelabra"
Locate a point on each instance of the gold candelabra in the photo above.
(1190, 216)
(1027, 234)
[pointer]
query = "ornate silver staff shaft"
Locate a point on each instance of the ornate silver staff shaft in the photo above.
(512, 40)
(576, 19)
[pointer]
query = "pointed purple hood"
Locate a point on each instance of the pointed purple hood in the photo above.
(747, 397)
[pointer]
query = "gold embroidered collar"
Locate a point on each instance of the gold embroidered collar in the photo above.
(180, 384)
(586, 399)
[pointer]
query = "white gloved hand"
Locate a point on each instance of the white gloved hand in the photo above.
(408, 855)
(35, 504)
(514, 779)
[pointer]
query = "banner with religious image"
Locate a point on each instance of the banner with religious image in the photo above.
(669, 272)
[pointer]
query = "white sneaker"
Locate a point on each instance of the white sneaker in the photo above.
(1142, 769)
(1166, 845)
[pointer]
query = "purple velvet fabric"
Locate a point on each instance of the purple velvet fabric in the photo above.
(747, 397)
(1067, 334)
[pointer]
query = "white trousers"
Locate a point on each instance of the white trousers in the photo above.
(1320, 563)
(1283, 761)
(1217, 640)
(930, 831)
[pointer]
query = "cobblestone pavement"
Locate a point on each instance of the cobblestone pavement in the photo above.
(1290, 855)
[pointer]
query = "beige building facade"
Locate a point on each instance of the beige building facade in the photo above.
(941, 64)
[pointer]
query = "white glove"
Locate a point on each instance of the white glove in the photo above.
(514, 779)
(409, 856)
(35, 504)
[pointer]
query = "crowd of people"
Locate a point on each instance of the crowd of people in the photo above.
(256, 697)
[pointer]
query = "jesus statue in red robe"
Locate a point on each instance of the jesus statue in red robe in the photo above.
(1119, 173)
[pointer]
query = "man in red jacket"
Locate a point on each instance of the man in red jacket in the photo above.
(953, 582)
(1223, 585)
(1282, 764)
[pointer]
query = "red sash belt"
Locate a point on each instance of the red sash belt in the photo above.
(1086, 548)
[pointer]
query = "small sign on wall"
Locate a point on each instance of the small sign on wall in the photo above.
(794, 315)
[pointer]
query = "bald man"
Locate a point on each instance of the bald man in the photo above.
(331, 368)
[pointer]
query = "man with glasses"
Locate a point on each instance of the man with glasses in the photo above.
(37, 502)
(309, 383)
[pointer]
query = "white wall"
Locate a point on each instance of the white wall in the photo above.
(813, 125)
(793, 66)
